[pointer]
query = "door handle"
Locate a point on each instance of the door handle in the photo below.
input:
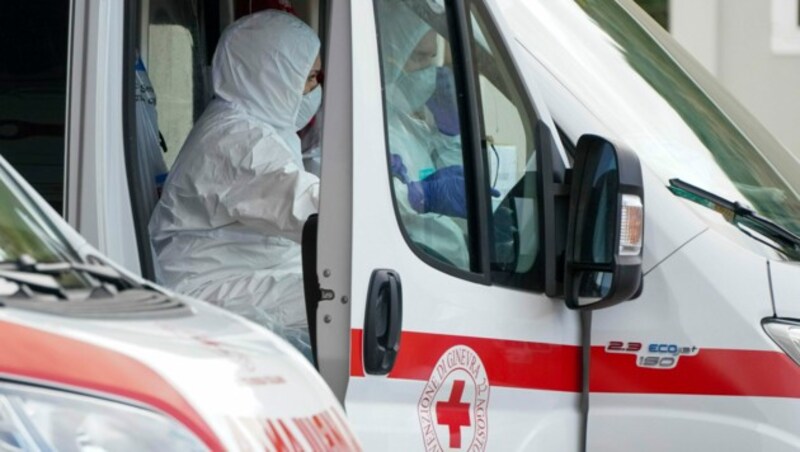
(383, 322)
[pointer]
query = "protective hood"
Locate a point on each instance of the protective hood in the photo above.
(401, 32)
(262, 63)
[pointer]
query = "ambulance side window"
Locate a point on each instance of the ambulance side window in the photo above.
(422, 128)
(33, 88)
(177, 70)
(508, 131)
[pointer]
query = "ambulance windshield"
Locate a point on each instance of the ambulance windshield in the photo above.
(25, 233)
(653, 97)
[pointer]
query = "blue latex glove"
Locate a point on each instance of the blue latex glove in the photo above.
(442, 192)
(398, 168)
(442, 103)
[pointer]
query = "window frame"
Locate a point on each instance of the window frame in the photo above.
(540, 136)
(474, 148)
(137, 23)
(133, 17)
(458, 30)
(476, 169)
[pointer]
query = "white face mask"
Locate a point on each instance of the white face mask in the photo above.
(309, 107)
(413, 89)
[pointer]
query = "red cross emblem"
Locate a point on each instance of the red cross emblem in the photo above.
(454, 414)
(454, 405)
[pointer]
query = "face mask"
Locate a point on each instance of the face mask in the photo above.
(413, 89)
(309, 107)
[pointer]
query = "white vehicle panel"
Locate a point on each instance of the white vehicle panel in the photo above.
(386, 423)
(666, 423)
(786, 288)
(98, 200)
(687, 365)
(694, 297)
(663, 235)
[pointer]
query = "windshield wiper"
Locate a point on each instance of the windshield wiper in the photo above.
(25, 264)
(41, 283)
(741, 216)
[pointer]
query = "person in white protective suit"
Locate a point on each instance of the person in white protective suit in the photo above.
(429, 183)
(228, 225)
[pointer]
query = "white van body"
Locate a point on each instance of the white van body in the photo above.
(209, 379)
(686, 365)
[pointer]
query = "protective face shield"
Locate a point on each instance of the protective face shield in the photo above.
(413, 89)
(309, 107)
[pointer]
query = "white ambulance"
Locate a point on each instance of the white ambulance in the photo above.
(627, 180)
(97, 359)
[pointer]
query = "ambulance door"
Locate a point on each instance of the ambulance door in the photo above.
(453, 345)
(97, 201)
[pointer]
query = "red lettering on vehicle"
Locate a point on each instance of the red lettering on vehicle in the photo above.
(323, 431)
(615, 346)
(281, 437)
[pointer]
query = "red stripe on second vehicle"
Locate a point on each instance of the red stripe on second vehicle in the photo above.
(514, 364)
(555, 367)
(751, 373)
(49, 357)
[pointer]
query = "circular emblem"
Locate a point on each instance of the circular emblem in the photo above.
(454, 406)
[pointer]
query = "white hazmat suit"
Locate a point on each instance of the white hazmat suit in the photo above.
(228, 225)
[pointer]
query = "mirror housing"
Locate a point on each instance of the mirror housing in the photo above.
(605, 232)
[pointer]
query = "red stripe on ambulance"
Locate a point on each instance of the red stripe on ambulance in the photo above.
(556, 367)
(513, 364)
(50, 357)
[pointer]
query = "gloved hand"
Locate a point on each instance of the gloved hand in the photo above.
(442, 192)
(398, 168)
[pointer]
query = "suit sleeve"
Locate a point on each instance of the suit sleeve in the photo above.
(270, 190)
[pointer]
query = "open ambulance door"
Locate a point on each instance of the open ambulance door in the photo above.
(97, 202)
(434, 329)
(139, 77)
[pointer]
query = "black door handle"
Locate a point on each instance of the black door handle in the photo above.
(383, 322)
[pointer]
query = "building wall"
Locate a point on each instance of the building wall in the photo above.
(734, 40)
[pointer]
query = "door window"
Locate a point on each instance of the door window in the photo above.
(508, 133)
(423, 121)
(33, 88)
(422, 126)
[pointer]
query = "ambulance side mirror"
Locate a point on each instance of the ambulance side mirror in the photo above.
(603, 264)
